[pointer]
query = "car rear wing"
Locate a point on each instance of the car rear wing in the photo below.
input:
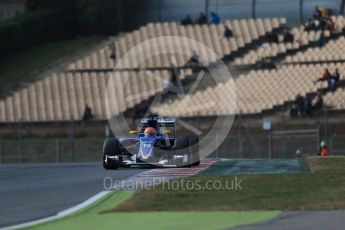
(162, 121)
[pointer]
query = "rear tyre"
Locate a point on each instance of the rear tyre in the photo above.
(111, 147)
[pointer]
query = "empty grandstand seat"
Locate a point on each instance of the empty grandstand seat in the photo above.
(245, 31)
(257, 91)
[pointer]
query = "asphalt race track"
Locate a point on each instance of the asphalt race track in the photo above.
(300, 220)
(32, 191)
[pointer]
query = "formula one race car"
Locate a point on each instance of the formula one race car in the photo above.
(154, 144)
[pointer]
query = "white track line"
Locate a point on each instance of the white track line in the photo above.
(63, 213)
(151, 173)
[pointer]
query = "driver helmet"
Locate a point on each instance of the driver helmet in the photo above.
(150, 132)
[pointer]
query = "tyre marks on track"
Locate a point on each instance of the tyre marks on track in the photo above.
(154, 177)
(178, 172)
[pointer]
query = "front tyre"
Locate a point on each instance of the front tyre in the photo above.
(111, 151)
(109, 165)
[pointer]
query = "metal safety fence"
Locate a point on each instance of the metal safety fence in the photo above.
(51, 150)
(234, 146)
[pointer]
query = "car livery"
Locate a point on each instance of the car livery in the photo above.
(163, 149)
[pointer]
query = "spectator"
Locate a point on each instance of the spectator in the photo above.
(333, 80)
(324, 152)
(299, 102)
(112, 51)
(87, 113)
(317, 14)
(309, 25)
(215, 19)
(187, 20)
(265, 63)
(336, 75)
(269, 64)
(288, 37)
(317, 101)
(308, 108)
(194, 60)
(273, 37)
(332, 84)
(202, 19)
(321, 40)
(326, 75)
(228, 33)
(298, 107)
(322, 24)
(299, 154)
(330, 25)
(260, 63)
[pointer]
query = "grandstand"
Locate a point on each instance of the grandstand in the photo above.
(245, 32)
(84, 80)
(62, 96)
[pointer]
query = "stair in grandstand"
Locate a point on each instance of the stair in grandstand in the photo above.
(189, 83)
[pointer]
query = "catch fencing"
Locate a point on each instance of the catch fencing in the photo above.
(282, 146)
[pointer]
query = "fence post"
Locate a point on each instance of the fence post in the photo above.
(217, 151)
(1, 154)
(326, 125)
(270, 146)
(159, 11)
(254, 9)
(331, 145)
(20, 142)
(72, 138)
(57, 150)
(241, 140)
(207, 4)
(301, 19)
(318, 140)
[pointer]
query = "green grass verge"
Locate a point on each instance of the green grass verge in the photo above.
(327, 164)
(323, 189)
(17, 67)
(91, 218)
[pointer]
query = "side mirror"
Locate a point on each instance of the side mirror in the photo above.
(133, 132)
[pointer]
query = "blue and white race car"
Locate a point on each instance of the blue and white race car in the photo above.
(154, 144)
